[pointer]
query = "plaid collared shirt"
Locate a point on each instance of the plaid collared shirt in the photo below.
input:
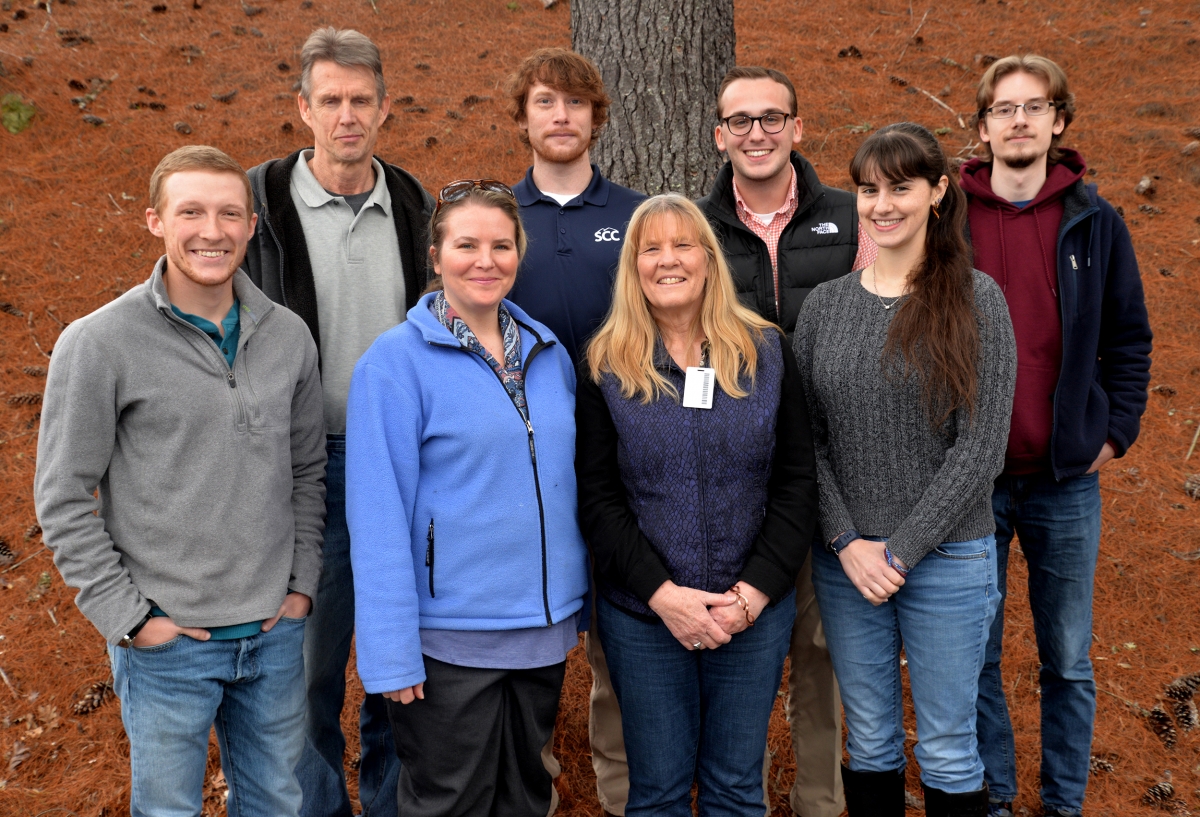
(770, 231)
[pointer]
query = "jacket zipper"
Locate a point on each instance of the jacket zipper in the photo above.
(429, 558)
(537, 484)
(230, 378)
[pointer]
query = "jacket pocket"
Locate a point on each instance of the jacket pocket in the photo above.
(429, 557)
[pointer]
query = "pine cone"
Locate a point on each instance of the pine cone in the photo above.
(93, 699)
(1185, 714)
(6, 554)
(34, 371)
(1161, 725)
(1099, 764)
(26, 398)
(1158, 794)
(1182, 688)
(1178, 807)
(32, 531)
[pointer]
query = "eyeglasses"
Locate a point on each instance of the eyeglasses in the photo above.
(740, 124)
(462, 188)
(1038, 107)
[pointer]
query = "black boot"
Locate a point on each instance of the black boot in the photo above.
(943, 804)
(874, 794)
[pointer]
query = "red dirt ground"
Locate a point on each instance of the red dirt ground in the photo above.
(72, 237)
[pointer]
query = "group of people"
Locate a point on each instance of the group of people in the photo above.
(785, 420)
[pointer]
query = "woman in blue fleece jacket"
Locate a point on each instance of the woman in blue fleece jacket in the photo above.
(469, 567)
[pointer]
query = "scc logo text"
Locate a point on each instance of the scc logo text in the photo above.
(608, 234)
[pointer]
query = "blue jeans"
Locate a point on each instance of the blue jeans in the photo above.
(695, 715)
(326, 652)
(1059, 527)
(941, 618)
(251, 689)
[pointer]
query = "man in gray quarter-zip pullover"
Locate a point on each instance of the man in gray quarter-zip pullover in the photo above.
(194, 404)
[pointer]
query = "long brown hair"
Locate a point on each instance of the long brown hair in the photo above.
(935, 332)
(624, 344)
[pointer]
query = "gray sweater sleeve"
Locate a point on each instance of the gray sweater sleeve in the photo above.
(308, 475)
(75, 445)
(977, 455)
(833, 514)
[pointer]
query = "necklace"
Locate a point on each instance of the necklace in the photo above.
(883, 303)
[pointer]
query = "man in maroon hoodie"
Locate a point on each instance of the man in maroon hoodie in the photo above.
(1064, 259)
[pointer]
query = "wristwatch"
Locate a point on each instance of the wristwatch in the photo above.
(839, 544)
(127, 639)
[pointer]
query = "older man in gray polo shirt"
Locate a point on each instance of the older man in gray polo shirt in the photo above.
(342, 241)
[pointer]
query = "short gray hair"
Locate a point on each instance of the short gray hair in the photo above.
(346, 47)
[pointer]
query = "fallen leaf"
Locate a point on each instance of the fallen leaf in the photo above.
(15, 113)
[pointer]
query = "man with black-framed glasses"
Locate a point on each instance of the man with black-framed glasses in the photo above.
(783, 233)
(1066, 264)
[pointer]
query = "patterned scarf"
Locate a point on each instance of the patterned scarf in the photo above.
(510, 373)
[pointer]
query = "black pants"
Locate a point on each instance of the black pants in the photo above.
(473, 746)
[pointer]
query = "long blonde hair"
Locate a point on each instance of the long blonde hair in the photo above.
(624, 344)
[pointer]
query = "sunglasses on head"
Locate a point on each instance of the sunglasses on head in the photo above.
(461, 188)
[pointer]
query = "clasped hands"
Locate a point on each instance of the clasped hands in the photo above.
(709, 620)
(865, 564)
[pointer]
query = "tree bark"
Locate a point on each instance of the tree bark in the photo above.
(662, 62)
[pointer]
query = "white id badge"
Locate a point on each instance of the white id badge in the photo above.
(698, 387)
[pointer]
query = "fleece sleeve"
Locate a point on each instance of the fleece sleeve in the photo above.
(308, 474)
(80, 411)
(383, 452)
(786, 534)
(1125, 336)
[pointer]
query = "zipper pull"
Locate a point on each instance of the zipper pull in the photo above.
(429, 550)
(532, 449)
(1074, 266)
(230, 378)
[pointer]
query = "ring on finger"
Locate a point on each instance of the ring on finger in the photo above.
(698, 646)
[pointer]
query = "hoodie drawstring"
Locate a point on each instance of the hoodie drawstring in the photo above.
(1037, 223)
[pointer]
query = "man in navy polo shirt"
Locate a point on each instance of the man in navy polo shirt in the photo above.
(575, 220)
(574, 217)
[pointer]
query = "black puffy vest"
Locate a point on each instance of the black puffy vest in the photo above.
(818, 244)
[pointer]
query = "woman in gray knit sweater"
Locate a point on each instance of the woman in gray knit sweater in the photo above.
(908, 366)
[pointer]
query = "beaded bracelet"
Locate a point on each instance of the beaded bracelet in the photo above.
(744, 604)
(894, 563)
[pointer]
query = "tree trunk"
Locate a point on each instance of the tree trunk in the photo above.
(662, 62)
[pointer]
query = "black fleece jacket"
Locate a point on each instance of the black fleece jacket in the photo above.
(277, 257)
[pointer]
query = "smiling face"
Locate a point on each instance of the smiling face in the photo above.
(559, 124)
(1021, 140)
(343, 112)
(757, 156)
(477, 259)
(672, 267)
(895, 214)
(205, 222)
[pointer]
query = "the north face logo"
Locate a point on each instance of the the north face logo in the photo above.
(608, 234)
(825, 228)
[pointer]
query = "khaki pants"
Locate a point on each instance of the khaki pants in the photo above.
(814, 710)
